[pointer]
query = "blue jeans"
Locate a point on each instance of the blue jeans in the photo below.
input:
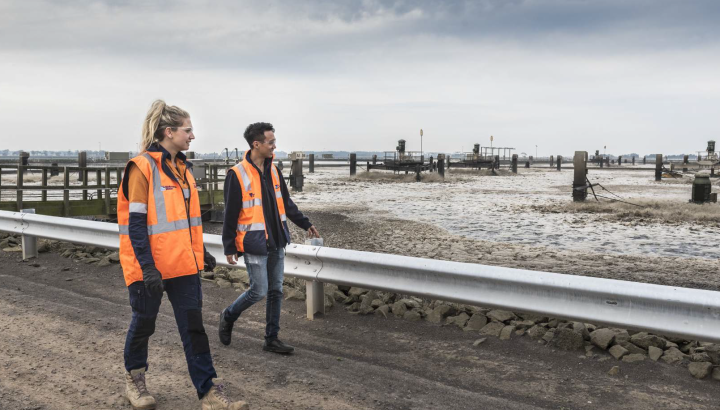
(185, 295)
(266, 279)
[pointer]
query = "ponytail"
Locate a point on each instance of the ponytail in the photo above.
(159, 117)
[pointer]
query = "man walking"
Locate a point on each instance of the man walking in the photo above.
(257, 207)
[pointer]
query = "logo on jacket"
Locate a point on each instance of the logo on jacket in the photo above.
(167, 188)
(251, 195)
(277, 186)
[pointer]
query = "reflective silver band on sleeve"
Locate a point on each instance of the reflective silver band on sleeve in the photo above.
(138, 207)
(251, 227)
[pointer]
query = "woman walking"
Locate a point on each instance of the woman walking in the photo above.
(161, 251)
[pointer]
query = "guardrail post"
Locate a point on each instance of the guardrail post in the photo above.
(353, 164)
(29, 242)
(311, 163)
(559, 162)
(66, 191)
(314, 292)
(513, 163)
(658, 167)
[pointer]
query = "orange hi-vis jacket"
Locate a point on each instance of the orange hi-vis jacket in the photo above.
(174, 228)
(251, 230)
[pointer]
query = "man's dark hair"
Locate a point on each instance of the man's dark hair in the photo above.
(256, 132)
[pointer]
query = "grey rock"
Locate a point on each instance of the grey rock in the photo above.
(716, 373)
(645, 340)
(114, 257)
(634, 357)
(549, 335)
(12, 249)
(700, 370)
(523, 324)
(223, 284)
(618, 351)
(700, 357)
(567, 339)
(237, 275)
(440, 313)
(104, 262)
(479, 341)
(537, 332)
(383, 310)
(412, 315)
(507, 332)
(535, 318)
(43, 246)
(459, 320)
(357, 292)
(553, 323)
(713, 351)
(614, 371)
(579, 327)
(654, 353)
(602, 338)
(329, 301)
(90, 260)
(476, 322)
(239, 286)
(672, 355)
(399, 309)
(411, 303)
(353, 307)
(339, 296)
(633, 349)
(207, 275)
(621, 336)
(501, 315)
(492, 329)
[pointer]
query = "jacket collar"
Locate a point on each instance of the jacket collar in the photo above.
(165, 155)
(266, 164)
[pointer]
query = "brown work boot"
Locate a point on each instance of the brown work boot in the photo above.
(216, 399)
(136, 392)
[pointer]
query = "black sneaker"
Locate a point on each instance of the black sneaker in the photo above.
(276, 346)
(225, 329)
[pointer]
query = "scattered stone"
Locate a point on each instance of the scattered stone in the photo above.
(654, 353)
(440, 313)
(294, 294)
(567, 339)
(621, 336)
(633, 349)
(338, 296)
(399, 308)
(618, 351)
(67, 253)
(411, 303)
(645, 340)
(492, 329)
(501, 315)
(237, 275)
(104, 262)
(549, 335)
(580, 328)
(523, 324)
(713, 351)
(476, 322)
(700, 370)
(114, 257)
(240, 287)
(43, 246)
(700, 357)
(506, 332)
(383, 310)
(90, 260)
(376, 303)
(553, 323)
(614, 371)
(223, 284)
(207, 275)
(353, 307)
(602, 338)
(329, 301)
(634, 357)
(520, 332)
(481, 341)
(357, 292)
(459, 320)
(716, 373)
(13, 249)
(532, 317)
(537, 332)
(412, 315)
(672, 355)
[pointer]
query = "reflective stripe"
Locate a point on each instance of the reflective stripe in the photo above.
(283, 217)
(138, 207)
(173, 226)
(186, 193)
(252, 202)
(278, 194)
(160, 211)
(245, 177)
(124, 229)
(251, 227)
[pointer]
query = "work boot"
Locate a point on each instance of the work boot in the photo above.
(136, 392)
(225, 329)
(276, 346)
(216, 399)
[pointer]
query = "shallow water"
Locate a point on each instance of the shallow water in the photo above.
(500, 209)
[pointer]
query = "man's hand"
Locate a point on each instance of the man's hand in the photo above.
(152, 279)
(210, 262)
(231, 259)
(313, 233)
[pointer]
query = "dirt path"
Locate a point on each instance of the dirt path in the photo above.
(62, 333)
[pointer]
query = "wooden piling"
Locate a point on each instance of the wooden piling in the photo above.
(686, 159)
(513, 163)
(66, 191)
(82, 163)
(559, 162)
(19, 184)
(44, 182)
(311, 163)
(619, 160)
(353, 164)
(552, 161)
(441, 165)
(580, 176)
(296, 173)
(658, 167)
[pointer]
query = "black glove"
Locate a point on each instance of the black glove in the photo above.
(210, 262)
(153, 280)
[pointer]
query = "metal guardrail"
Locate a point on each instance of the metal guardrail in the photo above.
(665, 310)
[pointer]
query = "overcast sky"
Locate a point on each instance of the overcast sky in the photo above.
(637, 76)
